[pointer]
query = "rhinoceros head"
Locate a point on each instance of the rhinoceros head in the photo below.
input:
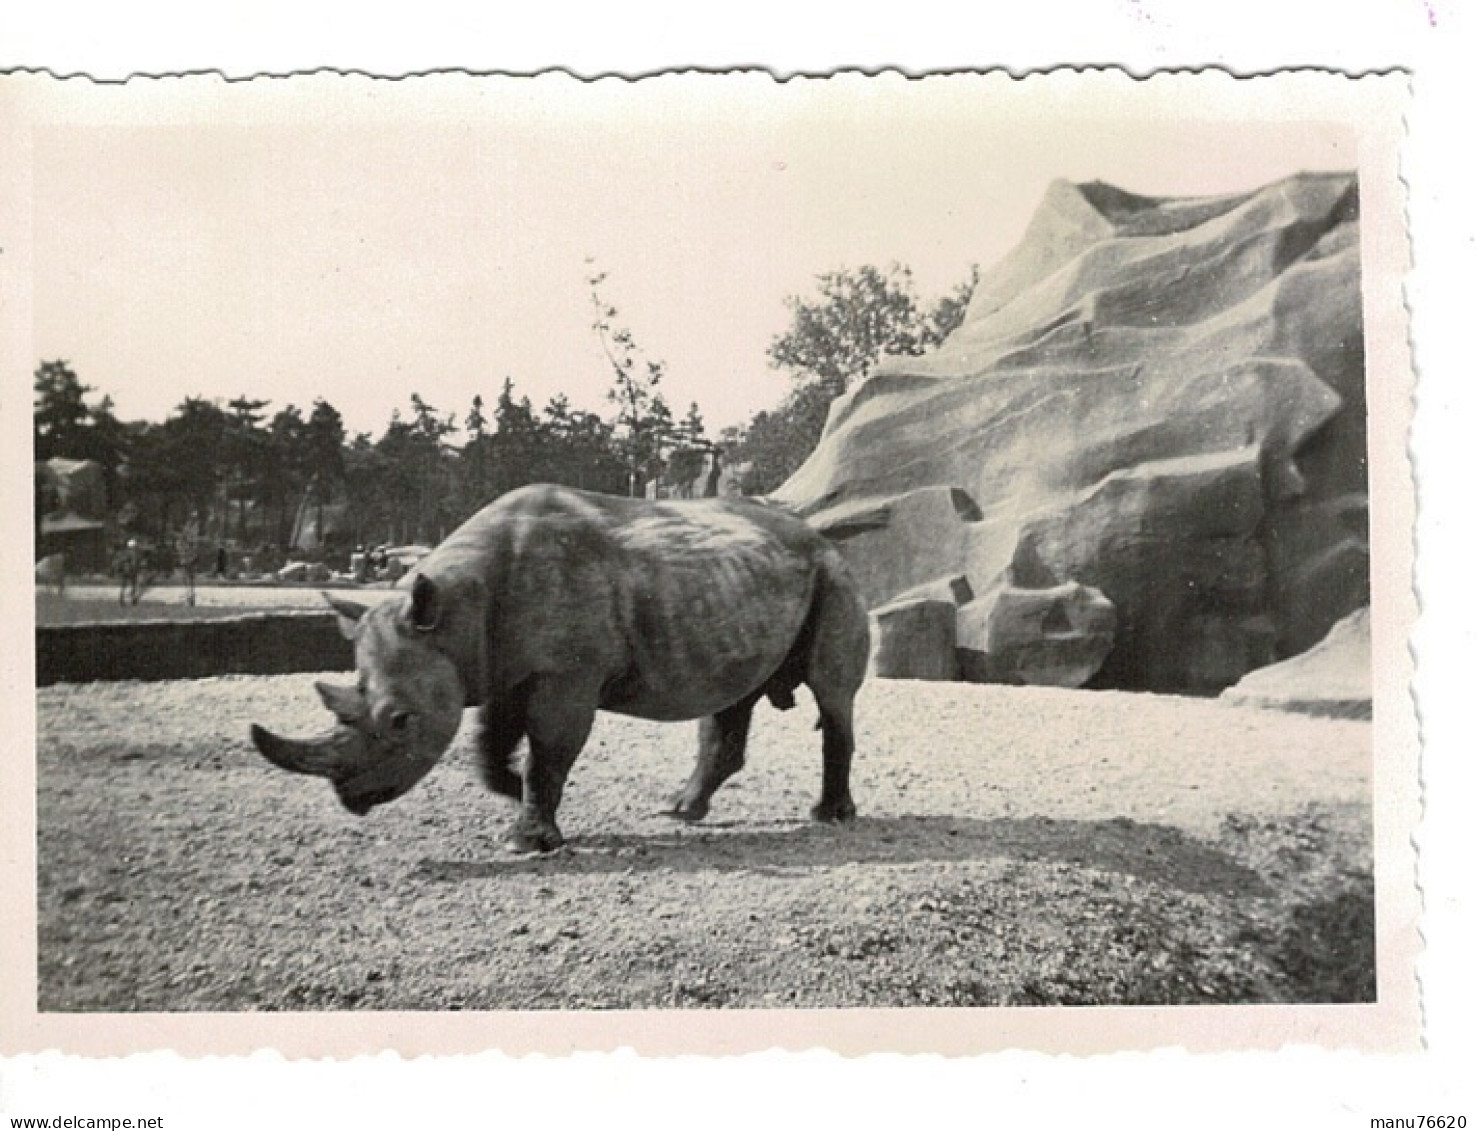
(395, 724)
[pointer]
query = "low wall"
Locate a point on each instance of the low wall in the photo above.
(249, 644)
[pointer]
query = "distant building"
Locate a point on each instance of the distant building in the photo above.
(75, 485)
(84, 541)
(76, 500)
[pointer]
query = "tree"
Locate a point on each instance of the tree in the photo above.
(152, 485)
(366, 472)
(517, 442)
(64, 425)
(831, 343)
(108, 443)
(195, 437)
(61, 412)
(643, 420)
(514, 415)
(394, 485)
(413, 479)
(948, 312)
(245, 455)
(579, 450)
(323, 442)
(427, 421)
(776, 442)
(473, 468)
(285, 476)
(861, 315)
(175, 469)
(476, 420)
(693, 429)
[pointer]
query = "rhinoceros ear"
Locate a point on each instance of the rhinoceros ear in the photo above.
(425, 604)
(348, 612)
(345, 702)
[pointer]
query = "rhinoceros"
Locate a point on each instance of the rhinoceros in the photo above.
(551, 604)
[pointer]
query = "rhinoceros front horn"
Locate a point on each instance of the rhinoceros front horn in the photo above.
(325, 756)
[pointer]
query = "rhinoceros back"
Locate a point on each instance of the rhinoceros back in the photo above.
(678, 607)
(716, 603)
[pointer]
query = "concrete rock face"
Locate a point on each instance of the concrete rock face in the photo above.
(915, 639)
(1332, 678)
(1144, 448)
(1056, 636)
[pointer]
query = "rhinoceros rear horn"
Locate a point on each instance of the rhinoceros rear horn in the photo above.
(348, 612)
(345, 702)
(319, 756)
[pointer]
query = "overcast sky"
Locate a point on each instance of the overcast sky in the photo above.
(434, 241)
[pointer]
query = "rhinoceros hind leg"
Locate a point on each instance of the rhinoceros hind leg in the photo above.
(835, 671)
(720, 748)
(838, 744)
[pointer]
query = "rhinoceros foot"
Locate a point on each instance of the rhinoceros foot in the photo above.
(833, 812)
(684, 808)
(528, 835)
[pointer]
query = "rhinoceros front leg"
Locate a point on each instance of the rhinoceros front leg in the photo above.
(720, 747)
(504, 724)
(560, 715)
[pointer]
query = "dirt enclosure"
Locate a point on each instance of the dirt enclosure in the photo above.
(1016, 847)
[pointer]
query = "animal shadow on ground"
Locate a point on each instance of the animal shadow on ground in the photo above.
(1149, 852)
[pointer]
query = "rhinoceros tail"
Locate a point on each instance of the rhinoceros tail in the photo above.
(837, 637)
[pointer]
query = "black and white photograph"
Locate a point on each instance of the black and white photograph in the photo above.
(924, 561)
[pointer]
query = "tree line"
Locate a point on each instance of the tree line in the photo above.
(247, 473)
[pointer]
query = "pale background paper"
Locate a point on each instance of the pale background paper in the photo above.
(228, 284)
(1290, 1088)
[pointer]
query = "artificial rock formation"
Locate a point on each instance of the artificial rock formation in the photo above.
(1144, 447)
(1334, 677)
(916, 639)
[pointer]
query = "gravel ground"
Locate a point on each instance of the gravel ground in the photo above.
(1016, 846)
